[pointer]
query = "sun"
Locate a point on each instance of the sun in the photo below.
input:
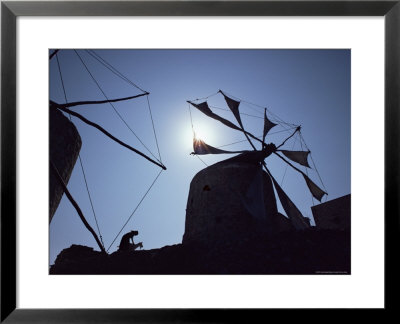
(198, 136)
(200, 132)
(205, 133)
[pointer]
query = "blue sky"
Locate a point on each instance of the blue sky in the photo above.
(310, 88)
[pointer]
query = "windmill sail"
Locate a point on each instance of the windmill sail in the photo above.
(201, 148)
(267, 125)
(205, 109)
(290, 208)
(316, 191)
(234, 107)
(297, 156)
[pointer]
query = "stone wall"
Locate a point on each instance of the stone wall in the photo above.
(224, 202)
(65, 145)
(333, 214)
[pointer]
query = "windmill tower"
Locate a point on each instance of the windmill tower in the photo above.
(65, 145)
(229, 199)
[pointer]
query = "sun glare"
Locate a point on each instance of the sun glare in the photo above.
(198, 136)
(201, 132)
(204, 133)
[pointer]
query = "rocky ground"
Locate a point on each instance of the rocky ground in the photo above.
(307, 252)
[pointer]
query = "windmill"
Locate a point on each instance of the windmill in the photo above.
(296, 159)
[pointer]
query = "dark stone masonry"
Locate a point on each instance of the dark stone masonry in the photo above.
(65, 145)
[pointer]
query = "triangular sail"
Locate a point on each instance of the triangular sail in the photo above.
(201, 148)
(267, 125)
(205, 109)
(297, 156)
(234, 107)
(316, 191)
(290, 208)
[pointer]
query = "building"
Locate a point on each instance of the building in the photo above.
(333, 214)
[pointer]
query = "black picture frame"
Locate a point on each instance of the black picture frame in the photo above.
(10, 10)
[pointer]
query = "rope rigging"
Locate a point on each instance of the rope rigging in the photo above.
(112, 69)
(245, 140)
(305, 169)
(312, 160)
(123, 77)
(154, 129)
(137, 206)
(115, 110)
(205, 98)
(284, 174)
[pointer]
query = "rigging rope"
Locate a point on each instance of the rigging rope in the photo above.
(312, 160)
(305, 169)
(241, 113)
(112, 68)
(250, 104)
(129, 218)
(115, 110)
(154, 129)
(201, 159)
(259, 137)
(191, 120)
(287, 165)
(79, 156)
(211, 95)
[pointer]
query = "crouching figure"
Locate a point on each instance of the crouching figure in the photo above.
(126, 245)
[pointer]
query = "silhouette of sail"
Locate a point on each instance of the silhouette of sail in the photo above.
(234, 107)
(205, 109)
(201, 148)
(267, 125)
(290, 208)
(316, 191)
(297, 156)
